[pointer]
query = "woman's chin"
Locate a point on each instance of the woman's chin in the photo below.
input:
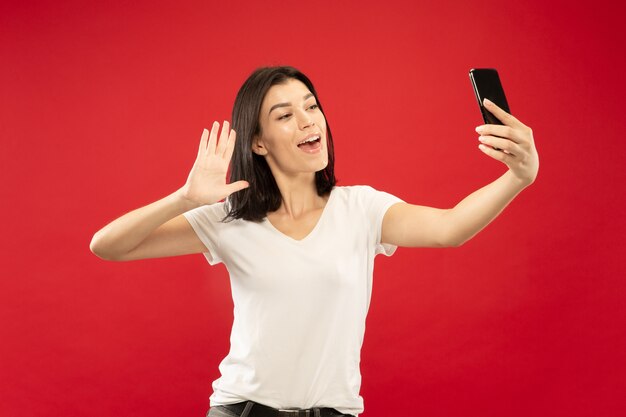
(324, 164)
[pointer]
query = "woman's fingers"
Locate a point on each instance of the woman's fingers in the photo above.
(213, 146)
(203, 142)
(230, 146)
(514, 143)
(237, 186)
(505, 145)
(498, 155)
(503, 116)
(221, 145)
(500, 131)
(213, 138)
(513, 131)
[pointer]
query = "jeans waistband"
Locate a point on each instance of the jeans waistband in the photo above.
(253, 409)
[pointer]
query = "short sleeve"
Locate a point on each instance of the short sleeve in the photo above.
(206, 222)
(376, 204)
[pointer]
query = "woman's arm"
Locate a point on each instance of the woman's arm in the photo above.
(412, 226)
(159, 229)
(156, 230)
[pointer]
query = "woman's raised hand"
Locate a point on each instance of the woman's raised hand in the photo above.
(515, 141)
(206, 183)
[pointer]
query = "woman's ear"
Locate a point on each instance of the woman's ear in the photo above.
(257, 146)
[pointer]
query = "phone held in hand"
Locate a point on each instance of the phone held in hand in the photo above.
(486, 83)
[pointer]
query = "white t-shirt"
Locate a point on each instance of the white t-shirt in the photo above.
(299, 305)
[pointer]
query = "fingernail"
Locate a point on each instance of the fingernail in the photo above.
(487, 101)
(479, 129)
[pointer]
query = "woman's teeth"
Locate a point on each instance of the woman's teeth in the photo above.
(311, 139)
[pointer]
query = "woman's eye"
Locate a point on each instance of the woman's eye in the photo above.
(286, 115)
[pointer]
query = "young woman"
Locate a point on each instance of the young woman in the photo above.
(299, 250)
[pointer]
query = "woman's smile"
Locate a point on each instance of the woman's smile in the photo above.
(311, 144)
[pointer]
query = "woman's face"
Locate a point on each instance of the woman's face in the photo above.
(290, 115)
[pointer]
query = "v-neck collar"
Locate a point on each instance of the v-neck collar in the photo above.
(313, 231)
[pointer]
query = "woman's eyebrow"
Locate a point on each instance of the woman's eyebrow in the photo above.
(275, 106)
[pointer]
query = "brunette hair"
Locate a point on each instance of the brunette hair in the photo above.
(263, 196)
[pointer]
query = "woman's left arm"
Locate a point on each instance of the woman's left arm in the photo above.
(412, 226)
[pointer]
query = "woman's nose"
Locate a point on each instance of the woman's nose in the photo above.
(305, 121)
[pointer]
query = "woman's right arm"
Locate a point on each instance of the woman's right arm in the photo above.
(159, 229)
(156, 230)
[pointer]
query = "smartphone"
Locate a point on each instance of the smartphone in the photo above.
(486, 83)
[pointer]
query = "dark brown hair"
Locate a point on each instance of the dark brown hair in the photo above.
(263, 196)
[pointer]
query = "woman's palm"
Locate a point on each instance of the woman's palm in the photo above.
(206, 183)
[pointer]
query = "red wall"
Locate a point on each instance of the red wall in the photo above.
(102, 106)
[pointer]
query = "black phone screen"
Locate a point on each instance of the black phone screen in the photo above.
(486, 83)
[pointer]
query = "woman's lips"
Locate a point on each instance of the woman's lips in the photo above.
(311, 147)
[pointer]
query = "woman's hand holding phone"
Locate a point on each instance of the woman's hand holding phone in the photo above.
(206, 183)
(515, 141)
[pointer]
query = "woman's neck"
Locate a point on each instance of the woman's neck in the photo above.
(299, 195)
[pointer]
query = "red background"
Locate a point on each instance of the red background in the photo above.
(102, 107)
